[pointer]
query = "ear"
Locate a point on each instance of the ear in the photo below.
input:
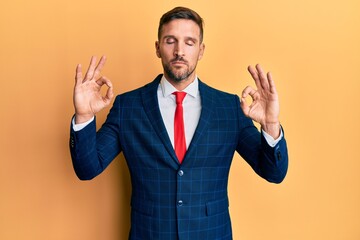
(202, 50)
(157, 48)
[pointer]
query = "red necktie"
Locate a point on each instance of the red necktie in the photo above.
(179, 130)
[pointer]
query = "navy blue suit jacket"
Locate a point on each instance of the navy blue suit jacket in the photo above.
(169, 200)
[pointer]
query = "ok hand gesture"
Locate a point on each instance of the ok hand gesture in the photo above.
(87, 96)
(264, 108)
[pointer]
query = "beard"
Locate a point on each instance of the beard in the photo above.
(180, 75)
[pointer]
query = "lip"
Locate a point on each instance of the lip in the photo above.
(178, 63)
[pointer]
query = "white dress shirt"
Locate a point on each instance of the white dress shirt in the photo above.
(192, 110)
(191, 105)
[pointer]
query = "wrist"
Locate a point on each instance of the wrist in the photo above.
(273, 129)
(81, 118)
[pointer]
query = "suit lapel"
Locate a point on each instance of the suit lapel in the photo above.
(207, 103)
(151, 107)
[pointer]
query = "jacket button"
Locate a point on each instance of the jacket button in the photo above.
(181, 173)
(180, 203)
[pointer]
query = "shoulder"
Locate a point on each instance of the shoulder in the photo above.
(216, 95)
(135, 94)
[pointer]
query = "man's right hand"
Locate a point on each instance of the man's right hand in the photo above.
(87, 96)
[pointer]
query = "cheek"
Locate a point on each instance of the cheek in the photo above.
(166, 52)
(195, 56)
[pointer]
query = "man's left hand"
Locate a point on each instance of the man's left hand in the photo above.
(264, 108)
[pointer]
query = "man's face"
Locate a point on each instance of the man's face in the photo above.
(180, 49)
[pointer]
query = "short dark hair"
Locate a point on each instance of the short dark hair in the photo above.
(181, 13)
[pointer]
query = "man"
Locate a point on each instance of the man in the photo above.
(179, 176)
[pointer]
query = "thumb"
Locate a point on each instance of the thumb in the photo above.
(245, 108)
(109, 95)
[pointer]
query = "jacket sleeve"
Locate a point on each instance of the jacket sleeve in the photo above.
(92, 151)
(271, 163)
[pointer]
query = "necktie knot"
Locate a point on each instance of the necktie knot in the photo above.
(179, 97)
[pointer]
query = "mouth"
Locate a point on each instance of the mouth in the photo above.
(178, 62)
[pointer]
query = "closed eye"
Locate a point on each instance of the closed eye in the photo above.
(170, 40)
(190, 42)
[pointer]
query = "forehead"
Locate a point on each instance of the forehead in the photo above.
(180, 28)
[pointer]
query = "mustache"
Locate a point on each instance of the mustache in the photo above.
(179, 59)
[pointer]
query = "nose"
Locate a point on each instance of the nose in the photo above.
(179, 50)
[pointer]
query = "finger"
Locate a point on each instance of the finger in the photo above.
(271, 83)
(263, 79)
(245, 108)
(90, 72)
(99, 67)
(103, 80)
(78, 75)
(249, 91)
(255, 76)
(109, 93)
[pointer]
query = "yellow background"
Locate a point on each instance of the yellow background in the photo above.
(312, 47)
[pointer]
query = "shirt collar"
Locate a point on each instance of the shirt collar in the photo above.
(167, 89)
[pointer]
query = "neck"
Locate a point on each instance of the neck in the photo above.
(181, 85)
